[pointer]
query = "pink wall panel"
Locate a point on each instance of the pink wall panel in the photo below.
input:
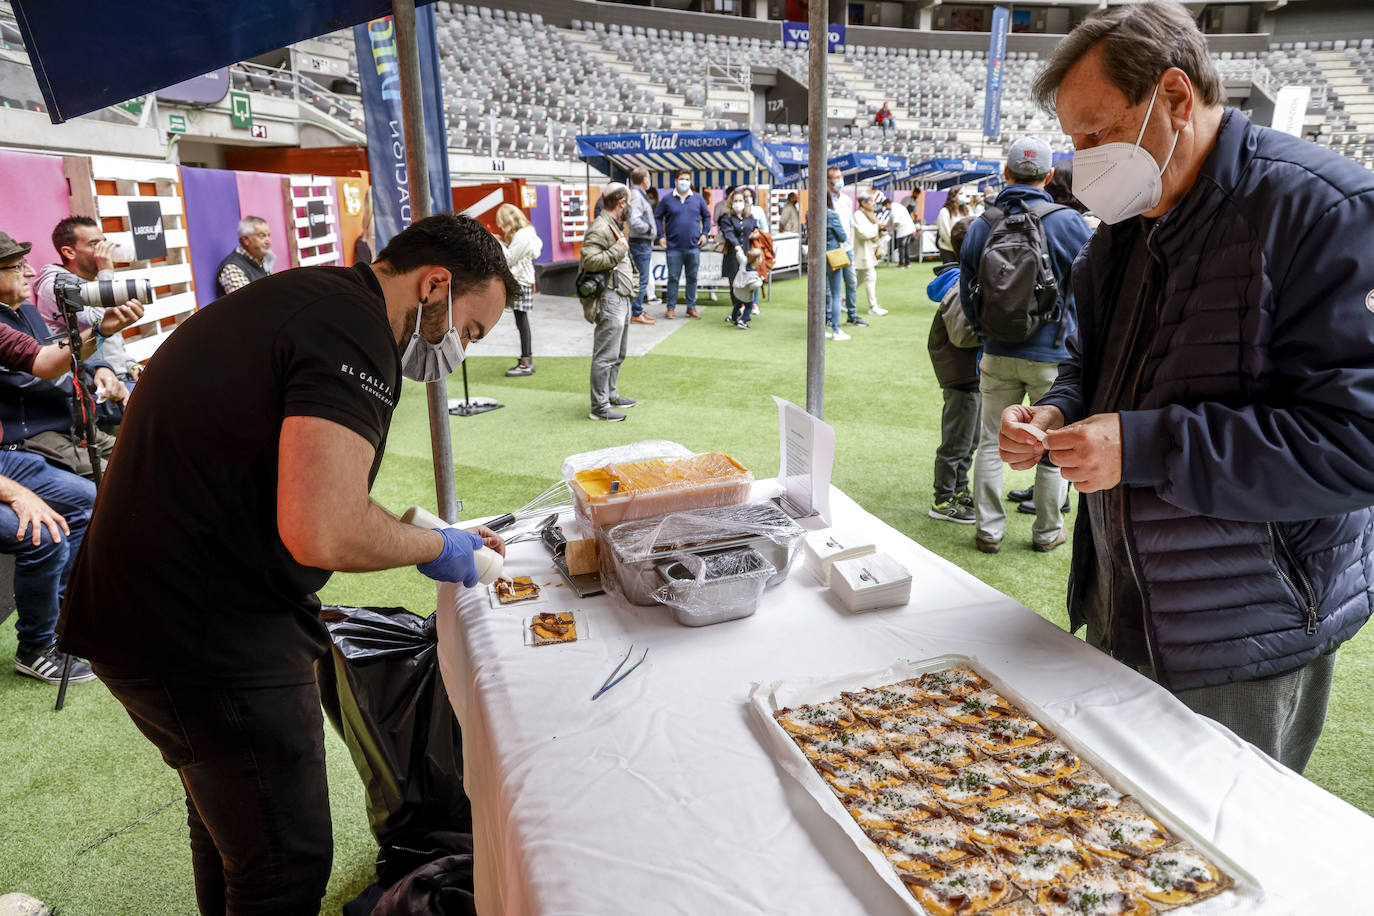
(36, 197)
(260, 195)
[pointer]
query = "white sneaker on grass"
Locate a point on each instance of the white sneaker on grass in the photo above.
(840, 335)
(877, 310)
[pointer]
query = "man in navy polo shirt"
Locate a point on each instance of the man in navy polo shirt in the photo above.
(686, 222)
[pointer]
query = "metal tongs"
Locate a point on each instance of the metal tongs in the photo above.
(612, 680)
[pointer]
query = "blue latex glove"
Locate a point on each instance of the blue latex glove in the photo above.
(455, 563)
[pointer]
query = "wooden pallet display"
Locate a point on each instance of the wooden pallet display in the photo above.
(298, 193)
(103, 187)
(575, 216)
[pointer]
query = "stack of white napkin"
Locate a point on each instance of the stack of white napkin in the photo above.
(869, 582)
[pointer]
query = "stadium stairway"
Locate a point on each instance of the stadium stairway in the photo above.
(1347, 84)
(872, 95)
(685, 117)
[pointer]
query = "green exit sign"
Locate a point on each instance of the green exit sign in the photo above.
(176, 123)
(240, 109)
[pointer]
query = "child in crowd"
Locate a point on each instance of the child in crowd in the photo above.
(745, 287)
(954, 352)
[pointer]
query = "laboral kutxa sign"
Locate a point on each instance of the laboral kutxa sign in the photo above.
(145, 224)
(798, 35)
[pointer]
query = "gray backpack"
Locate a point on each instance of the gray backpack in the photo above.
(1015, 294)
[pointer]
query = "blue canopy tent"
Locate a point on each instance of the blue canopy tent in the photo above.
(869, 167)
(938, 174)
(716, 158)
(793, 157)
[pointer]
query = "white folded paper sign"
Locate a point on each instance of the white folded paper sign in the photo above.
(870, 582)
(828, 546)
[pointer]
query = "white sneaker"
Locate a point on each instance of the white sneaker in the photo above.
(877, 310)
(829, 333)
(840, 335)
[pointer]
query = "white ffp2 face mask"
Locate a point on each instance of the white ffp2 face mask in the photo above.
(1119, 180)
(684, 186)
(428, 362)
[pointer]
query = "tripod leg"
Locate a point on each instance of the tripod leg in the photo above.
(62, 687)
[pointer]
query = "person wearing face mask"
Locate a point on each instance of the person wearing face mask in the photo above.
(844, 208)
(736, 226)
(1216, 411)
(605, 250)
(228, 513)
(686, 221)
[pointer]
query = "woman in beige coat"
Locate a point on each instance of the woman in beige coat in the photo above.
(867, 241)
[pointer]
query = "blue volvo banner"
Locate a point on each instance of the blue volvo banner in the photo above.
(798, 35)
(997, 53)
(380, 79)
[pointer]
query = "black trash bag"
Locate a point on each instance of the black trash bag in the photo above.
(381, 689)
(422, 889)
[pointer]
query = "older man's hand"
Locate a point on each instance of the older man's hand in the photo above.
(1021, 437)
(1088, 452)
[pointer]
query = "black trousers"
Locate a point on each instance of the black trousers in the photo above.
(257, 802)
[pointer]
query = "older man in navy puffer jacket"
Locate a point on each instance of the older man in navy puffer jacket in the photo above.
(1217, 408)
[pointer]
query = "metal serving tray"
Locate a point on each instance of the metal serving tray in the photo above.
(765, 699)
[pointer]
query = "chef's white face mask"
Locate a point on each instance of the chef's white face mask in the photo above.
(428, 362)
(1119, 180)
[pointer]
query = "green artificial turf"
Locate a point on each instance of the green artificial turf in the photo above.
(94, 822)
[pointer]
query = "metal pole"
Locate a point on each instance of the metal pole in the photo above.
(815, 211)
(417, 175)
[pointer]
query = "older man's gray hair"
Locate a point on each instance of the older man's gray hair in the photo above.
(1139, 42)
(249, 225)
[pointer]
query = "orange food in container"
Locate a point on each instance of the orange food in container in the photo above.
(643, 489)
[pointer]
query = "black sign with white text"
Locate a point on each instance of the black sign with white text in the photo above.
(145, 219)
(319, 219)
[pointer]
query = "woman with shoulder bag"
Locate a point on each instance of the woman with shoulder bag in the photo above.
(522, 245)
(836, 260)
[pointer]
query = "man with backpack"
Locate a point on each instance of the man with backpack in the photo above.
(1014, 284)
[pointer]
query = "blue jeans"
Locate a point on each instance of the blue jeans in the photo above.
(40, 572)
(851, 289)
(834, 281)
(689, 258)
(641, 251)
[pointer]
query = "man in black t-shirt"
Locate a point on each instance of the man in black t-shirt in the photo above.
(252, 441)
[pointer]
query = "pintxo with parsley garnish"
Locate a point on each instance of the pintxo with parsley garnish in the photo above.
(973, 888)
(941, 842)
(815, 719)
(894, 807)
(854, 776)
(1003, 735)
(881, 701)
(911, 726)
(1098, 893)
(1014, 817)
(1083, 793)
(1126, 832)
(975, 707)
(841, 745)
(980, 781)
(1178, 876)
(950, 683)
(1042, 764)
(1050, 858)
(939, 757)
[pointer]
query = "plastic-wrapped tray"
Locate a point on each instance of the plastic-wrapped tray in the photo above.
(1241, 891)
(642, 489)
(632, 551)
(714, 587)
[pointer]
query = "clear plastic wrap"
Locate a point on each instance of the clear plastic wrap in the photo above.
(715, 587)
(616, 493)
(622, 454)
(630, 552)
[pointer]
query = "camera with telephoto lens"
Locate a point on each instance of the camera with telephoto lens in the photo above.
(74, 294)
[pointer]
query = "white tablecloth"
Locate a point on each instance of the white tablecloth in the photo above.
(660, 797)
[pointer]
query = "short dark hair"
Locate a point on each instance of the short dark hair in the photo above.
(1139, 42)
(614, 197)
(459, 244)
(957, 233)
(64, 233)
(638, 174)
(792, 197)
(680, 172)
